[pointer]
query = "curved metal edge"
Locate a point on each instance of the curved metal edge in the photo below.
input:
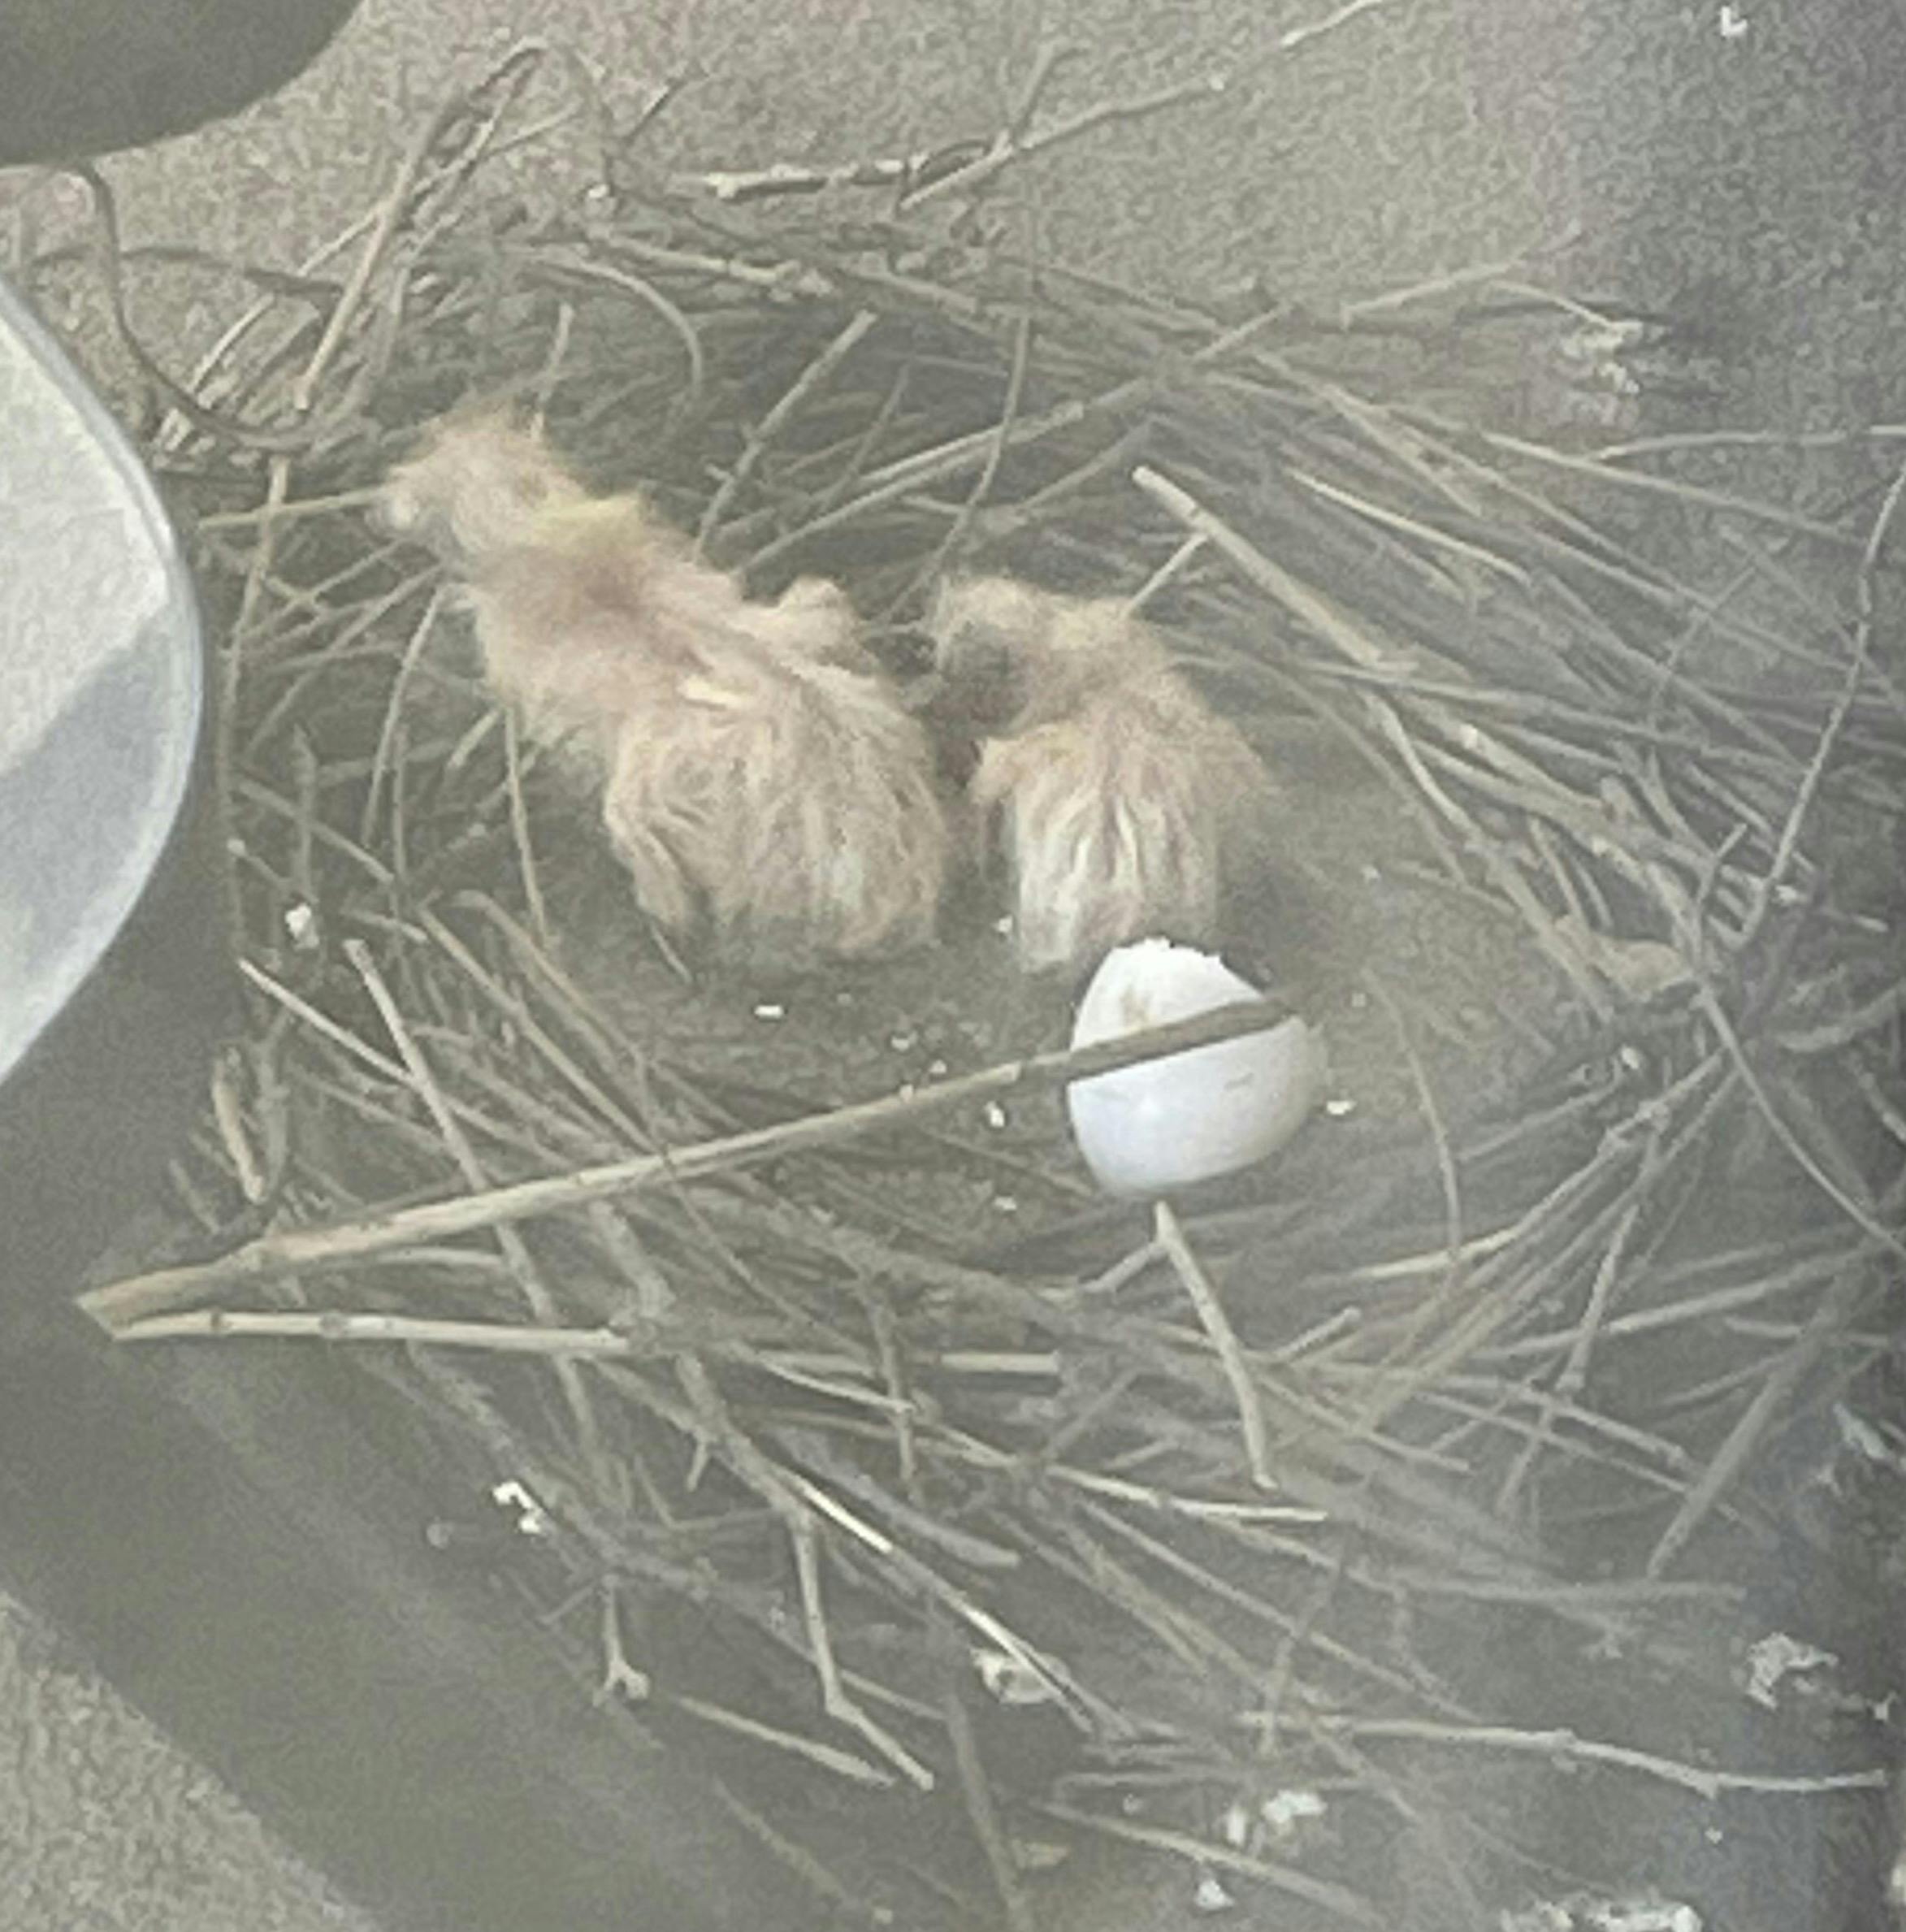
(181, 613)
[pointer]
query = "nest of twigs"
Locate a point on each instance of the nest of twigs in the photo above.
(1264, 1536)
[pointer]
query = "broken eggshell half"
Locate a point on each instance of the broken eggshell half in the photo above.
(1167, 1123)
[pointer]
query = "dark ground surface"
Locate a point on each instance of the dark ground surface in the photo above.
(1749, 184)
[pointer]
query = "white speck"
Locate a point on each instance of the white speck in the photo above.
(1236, 1827)
(1003, 926)
(1715, 1835)
(1338, 1105)
(1777, 1656)
(236, 847)
(1630, 1058)
(936, 1069)
(1212, 1896)
(531, 1519)
(1371, 875)
(901, 1043)
(1005, 1204)
(995, 1115)
(767, 1010)
(906, 1090)
(1011, 1681)
(1732, 24)
(1038, 1855)
(1283, 1810)
(301, 923)
(1358, 1001)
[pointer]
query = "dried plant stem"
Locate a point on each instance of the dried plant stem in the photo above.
(1168, 1232)
(1834, 1310)
(1338, 1900)
(984, 1815)
(773, 1488)
(515, 1253)
(811, 380)
(1567, 1746)
(341, 1243)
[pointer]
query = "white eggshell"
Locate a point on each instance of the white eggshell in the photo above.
(1191, 1116)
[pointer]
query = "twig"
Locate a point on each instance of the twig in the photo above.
(1008, 148)
(1849, 691)
(1568, 1746)
(1169, 1233)
(795, 1509)
(1294, 37)
(984, 1815)
(515, 1251)
(1337, 1900)
(804, 385)
(335, 1325)
(341, 1243)
(1828, 1316)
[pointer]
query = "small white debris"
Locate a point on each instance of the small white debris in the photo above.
(1210, 1896)
(1339, 1106)
(1005, 1204)
(1038, 1855)
(1283, 1811)
(1011, 1680)
(1778, 1656)
(995, 1115)
(936, 1069)
(1003, 927)
(1732, 24)
(300, 924)
(769, 1009)
(1642, 1915)
(1583, 1914)
(903, 1042)
(1371, 875)
(532, 1519)
(1543, 1916)
(1359, 1000)
(1234, 1827)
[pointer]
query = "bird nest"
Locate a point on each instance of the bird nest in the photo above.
(1375, 1530)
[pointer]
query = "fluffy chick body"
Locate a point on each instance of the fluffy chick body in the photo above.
(755, 765)
(1121, 801)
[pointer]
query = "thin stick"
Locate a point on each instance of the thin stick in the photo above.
(1815, 772)
(334, 1325)
(515, 1251)
(1008, 148)
(1833, 1311)
(1294, 37)
(843, 1764)
(519, 829)
(341, 1243)
(985, 1814)
(1567, 1745)
(1336, 1898)
(804, 385)
(1169, 1233)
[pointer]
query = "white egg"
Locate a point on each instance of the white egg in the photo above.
(1147, 1129)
